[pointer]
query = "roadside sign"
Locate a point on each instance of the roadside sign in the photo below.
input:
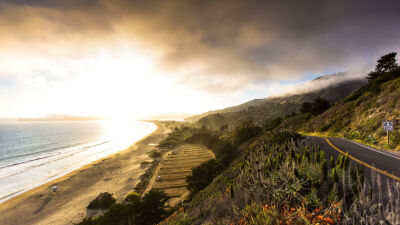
(387, 126)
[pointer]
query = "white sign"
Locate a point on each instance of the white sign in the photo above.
(387, 126)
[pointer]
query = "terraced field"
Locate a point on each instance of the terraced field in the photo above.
(175, 166)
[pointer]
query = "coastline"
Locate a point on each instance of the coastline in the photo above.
(117, 173)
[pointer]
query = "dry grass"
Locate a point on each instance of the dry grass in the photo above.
(176, 166)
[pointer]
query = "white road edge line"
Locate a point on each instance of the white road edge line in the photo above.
(371, 148)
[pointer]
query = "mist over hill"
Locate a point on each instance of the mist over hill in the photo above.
(331, 88)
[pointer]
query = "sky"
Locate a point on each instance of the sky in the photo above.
(132, 59)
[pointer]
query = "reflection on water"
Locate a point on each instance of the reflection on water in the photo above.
(32, 153)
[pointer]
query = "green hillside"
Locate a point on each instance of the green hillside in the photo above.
(259, 110)
(268, 175)
(360, 115)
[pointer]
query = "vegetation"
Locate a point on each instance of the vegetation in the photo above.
(360, 115)
(260, 110)
(222, 149)
(147, 210)
(154, 154)
(102, 201)
(315, 108)
(267, 175)
(271, 124)
(145, 178)
(386, 63)
(245, 132)
(202, 175)
(278, 180)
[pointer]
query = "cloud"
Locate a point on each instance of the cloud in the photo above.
(277, 89)
(211, 45)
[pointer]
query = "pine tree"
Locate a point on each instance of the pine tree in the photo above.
(385, 64)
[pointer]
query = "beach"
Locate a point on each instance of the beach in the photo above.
(117, 173)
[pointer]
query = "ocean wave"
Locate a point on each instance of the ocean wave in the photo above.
(62, 155)
(52, 150)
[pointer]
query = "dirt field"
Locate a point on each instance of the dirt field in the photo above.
(175, 166)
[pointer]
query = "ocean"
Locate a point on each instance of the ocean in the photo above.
(33, 153)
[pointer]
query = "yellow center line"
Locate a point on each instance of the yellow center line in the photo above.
(361, 162)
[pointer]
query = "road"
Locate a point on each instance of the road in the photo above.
(375, 161)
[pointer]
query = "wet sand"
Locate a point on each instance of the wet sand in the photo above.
(117, 174)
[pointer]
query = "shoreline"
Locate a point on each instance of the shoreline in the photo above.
(72, 166)
(117, 173)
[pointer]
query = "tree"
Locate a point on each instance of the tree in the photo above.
(271, 124)
(154, 208)
(203, 175)
(385, 64)
(102, 201)
(317, 107)
(245, 132)
(306, 107)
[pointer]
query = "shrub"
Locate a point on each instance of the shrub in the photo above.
(254, 214)
(102, 201)
(154, 154)
(245, 132)
(169, 143)
(147, 210)
(153, 208)
(269, 125)
(222, 149)
(202, 175)
(317, 107)
(132, 197)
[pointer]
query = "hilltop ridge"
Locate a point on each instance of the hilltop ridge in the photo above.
(332, 88)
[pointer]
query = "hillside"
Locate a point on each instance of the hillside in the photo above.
(332, 88)
(274, 175)
(360, 115)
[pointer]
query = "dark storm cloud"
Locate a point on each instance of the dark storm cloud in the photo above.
(56, 4)
(243, 40)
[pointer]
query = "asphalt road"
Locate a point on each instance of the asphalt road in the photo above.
(378, 164)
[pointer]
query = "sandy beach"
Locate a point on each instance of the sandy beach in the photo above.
(117, 174)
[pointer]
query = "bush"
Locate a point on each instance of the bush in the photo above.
(155, 154)
(102, 201)
(169, 143)
(153, 208)
(222, 149)
(203, 175)
(255, 214)
(315, 108)
(271, 124)
(147, 210)
(245, 132)
(132, 197)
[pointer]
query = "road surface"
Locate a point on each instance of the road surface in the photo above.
(375, 161)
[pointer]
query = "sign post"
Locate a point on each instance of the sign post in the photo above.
(387, 126)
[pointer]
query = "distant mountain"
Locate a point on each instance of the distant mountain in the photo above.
(331, 87)
(360, 115)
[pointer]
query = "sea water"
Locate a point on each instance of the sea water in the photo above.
(33, 153)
